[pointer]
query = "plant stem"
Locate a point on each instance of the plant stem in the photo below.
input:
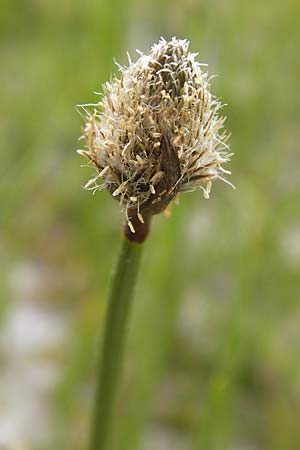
(120, 299)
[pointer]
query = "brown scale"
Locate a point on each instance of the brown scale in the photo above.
(164, 193)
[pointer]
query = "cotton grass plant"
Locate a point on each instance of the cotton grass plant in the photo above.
(156, 132)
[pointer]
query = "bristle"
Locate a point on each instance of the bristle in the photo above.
(156, 131)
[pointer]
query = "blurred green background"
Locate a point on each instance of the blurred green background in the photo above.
(212, 360)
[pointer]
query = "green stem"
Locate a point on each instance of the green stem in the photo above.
(120, 299)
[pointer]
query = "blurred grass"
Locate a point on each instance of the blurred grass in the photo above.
(214, 343)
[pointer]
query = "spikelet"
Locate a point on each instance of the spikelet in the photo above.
(156, 132)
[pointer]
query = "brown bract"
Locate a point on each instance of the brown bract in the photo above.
(156, 132)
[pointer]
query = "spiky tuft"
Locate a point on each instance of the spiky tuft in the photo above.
(156, 132)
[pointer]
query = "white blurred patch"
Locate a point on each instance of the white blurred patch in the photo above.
(31, 328)
(289, 245)
(163, 438)
(31, 334)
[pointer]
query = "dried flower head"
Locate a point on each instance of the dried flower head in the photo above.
(156, 132)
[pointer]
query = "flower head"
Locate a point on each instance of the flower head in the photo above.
(156, 132)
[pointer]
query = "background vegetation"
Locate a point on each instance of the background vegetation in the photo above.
(213, 352)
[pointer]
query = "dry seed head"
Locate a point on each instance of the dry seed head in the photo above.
(156, 132)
